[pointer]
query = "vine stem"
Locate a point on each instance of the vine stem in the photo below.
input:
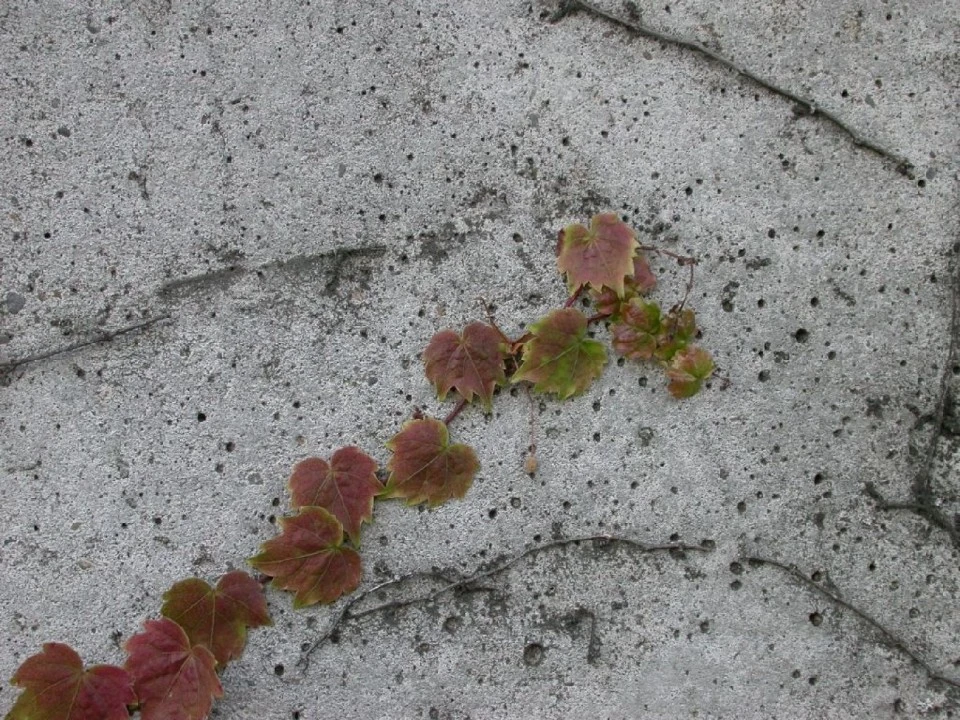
(98, 336)
(573, 298)
(451, 416)
(530, 465)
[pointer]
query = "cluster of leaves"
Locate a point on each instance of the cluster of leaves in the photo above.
(171, 667)
(315, 556)
(310, 557)
(607, 260)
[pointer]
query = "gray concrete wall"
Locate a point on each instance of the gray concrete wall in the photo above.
(229, 228)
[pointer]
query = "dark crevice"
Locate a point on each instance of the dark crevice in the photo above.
(888, 636)
(470, 584)
(96, 337)
(802, 104)
(923, 500)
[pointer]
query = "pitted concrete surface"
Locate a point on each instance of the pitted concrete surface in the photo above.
(228, 230)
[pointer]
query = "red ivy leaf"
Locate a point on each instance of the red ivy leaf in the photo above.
(346, 487)
(218, 618)
(56, 687)
(690, 367)
(641, 282)
(473, 363)
(309, 558)
(560, 358)
(425, 467)
(598, 257)
(173, 679)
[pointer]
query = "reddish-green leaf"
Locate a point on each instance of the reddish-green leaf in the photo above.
(218, 618)
(599, 256)
(690, 367)
(56, 687)
(425, 467)
(346, 487)
(472, 363)
(677, 330)
(635, 335)
(643, 333)
(641, 282)
(560, 358)
(310, 559)
(174, 679)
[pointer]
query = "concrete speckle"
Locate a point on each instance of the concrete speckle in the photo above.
(228, 232)
(14, 302)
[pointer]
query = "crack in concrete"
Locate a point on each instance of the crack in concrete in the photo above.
(99, 336)
(569, 7)
(220, 278)
(891, 638)
(224, 277)
(924, 500)
(468, 583)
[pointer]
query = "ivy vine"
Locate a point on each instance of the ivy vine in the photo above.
(173, 665)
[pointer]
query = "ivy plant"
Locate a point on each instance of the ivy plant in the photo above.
(173, 664)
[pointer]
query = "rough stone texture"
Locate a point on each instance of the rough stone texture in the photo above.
(243, 221)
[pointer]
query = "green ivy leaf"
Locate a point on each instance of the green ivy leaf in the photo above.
(599, 256)
(425, 467)
(689, 368)
(644, 333)
(560, 358)
(676, 332)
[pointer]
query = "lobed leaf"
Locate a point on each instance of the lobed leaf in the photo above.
(56, 687)
(676, 332)
(599, 256)
(174, 679)
(559, 357)
(218, 618)
(472, 363)
(346, 487)
(641, 282)
(635, 335)
(643, 333)
(425, 467)
(310, 559)
(690, 367)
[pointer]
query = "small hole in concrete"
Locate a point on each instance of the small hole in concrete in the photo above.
(533, 654)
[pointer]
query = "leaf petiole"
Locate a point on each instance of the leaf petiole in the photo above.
(451, 416)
